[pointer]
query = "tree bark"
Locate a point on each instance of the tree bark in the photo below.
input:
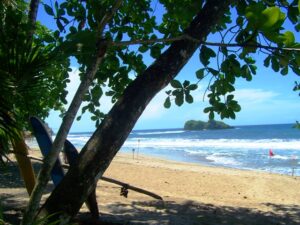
(61, 136)
(32, 15)
(68, 119)
(106, 141)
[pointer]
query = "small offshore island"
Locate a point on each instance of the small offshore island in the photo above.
(209, 125)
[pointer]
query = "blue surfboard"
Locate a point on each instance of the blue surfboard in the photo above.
(45, 143)
(72, 156)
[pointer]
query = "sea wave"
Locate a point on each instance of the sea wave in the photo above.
(78, 139)
(160, 132)
(222, 160)
(282, 144)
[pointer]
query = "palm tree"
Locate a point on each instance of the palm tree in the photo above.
(33, 81)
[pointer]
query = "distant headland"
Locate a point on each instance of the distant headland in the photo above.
(209, 125)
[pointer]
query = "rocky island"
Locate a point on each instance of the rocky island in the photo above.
(209, 125)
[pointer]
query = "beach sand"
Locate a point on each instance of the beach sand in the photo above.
(192, 194)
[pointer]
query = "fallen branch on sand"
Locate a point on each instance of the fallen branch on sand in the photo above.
(125, 186)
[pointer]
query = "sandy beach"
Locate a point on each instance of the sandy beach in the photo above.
(192, 194)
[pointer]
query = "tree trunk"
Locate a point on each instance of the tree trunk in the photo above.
(61, 136)
(99, 151)
(32, 15)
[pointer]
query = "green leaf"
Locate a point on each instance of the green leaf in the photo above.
(110, 93)
(48, 10)
(143, 48)
(211, 115)
(267, 61)
(207, 109)
(275, 64)
(175, 84)
(284, 71)
(205, 54)
(167, 103)
(189, 98)
(299, 6)
(231, 114)
(253, 68)
(168, 92)
(224, 51)
(296, 70)
(213, 71)
(229, 98)
(270, 16)
(94, 118)
(289, 38)
(293, 13)
(193, 87)
(186, 83)
(200, 73)
(155, 51)
(297, 59)
(59, 25)
(179, 98)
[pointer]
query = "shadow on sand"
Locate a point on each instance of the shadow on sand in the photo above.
(170, 211)
(10, 175)
(189, 212)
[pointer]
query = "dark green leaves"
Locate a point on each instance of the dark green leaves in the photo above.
(225, 110)
(264, 18)
(179, 97)
(175, 84)
(48, 10)
(205, 55)
(200, 73)
(167, 103)
(181, 93)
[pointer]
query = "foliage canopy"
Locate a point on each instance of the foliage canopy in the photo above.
(88, 29)
(247, 28)
(33, 74)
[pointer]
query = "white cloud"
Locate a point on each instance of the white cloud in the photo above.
(254, 96)
(105, 101)
(155, 108)
(73, 85)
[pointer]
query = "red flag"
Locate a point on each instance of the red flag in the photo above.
(271, 153)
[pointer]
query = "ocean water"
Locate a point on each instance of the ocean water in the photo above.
(244, 147)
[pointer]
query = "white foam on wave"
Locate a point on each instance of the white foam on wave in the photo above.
(78, 139)
(249, 144)
(161, 132)
(281, 157)
(222, 160)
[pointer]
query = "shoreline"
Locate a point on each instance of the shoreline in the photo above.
(192, 194)
(208, 163)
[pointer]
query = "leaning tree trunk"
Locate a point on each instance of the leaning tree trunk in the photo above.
(106, 141)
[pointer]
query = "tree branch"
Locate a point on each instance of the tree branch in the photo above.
(32, 15)
(99, 151)
(187, 37)
(108, 16)
(150, 41)
(68, 119)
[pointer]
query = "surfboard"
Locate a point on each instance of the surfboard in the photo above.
(72, 156)
(45, 143)
(24, 163)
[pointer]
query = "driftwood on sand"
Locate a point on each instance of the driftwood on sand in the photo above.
(125, 186)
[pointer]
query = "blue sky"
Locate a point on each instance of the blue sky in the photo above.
(267, 99)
